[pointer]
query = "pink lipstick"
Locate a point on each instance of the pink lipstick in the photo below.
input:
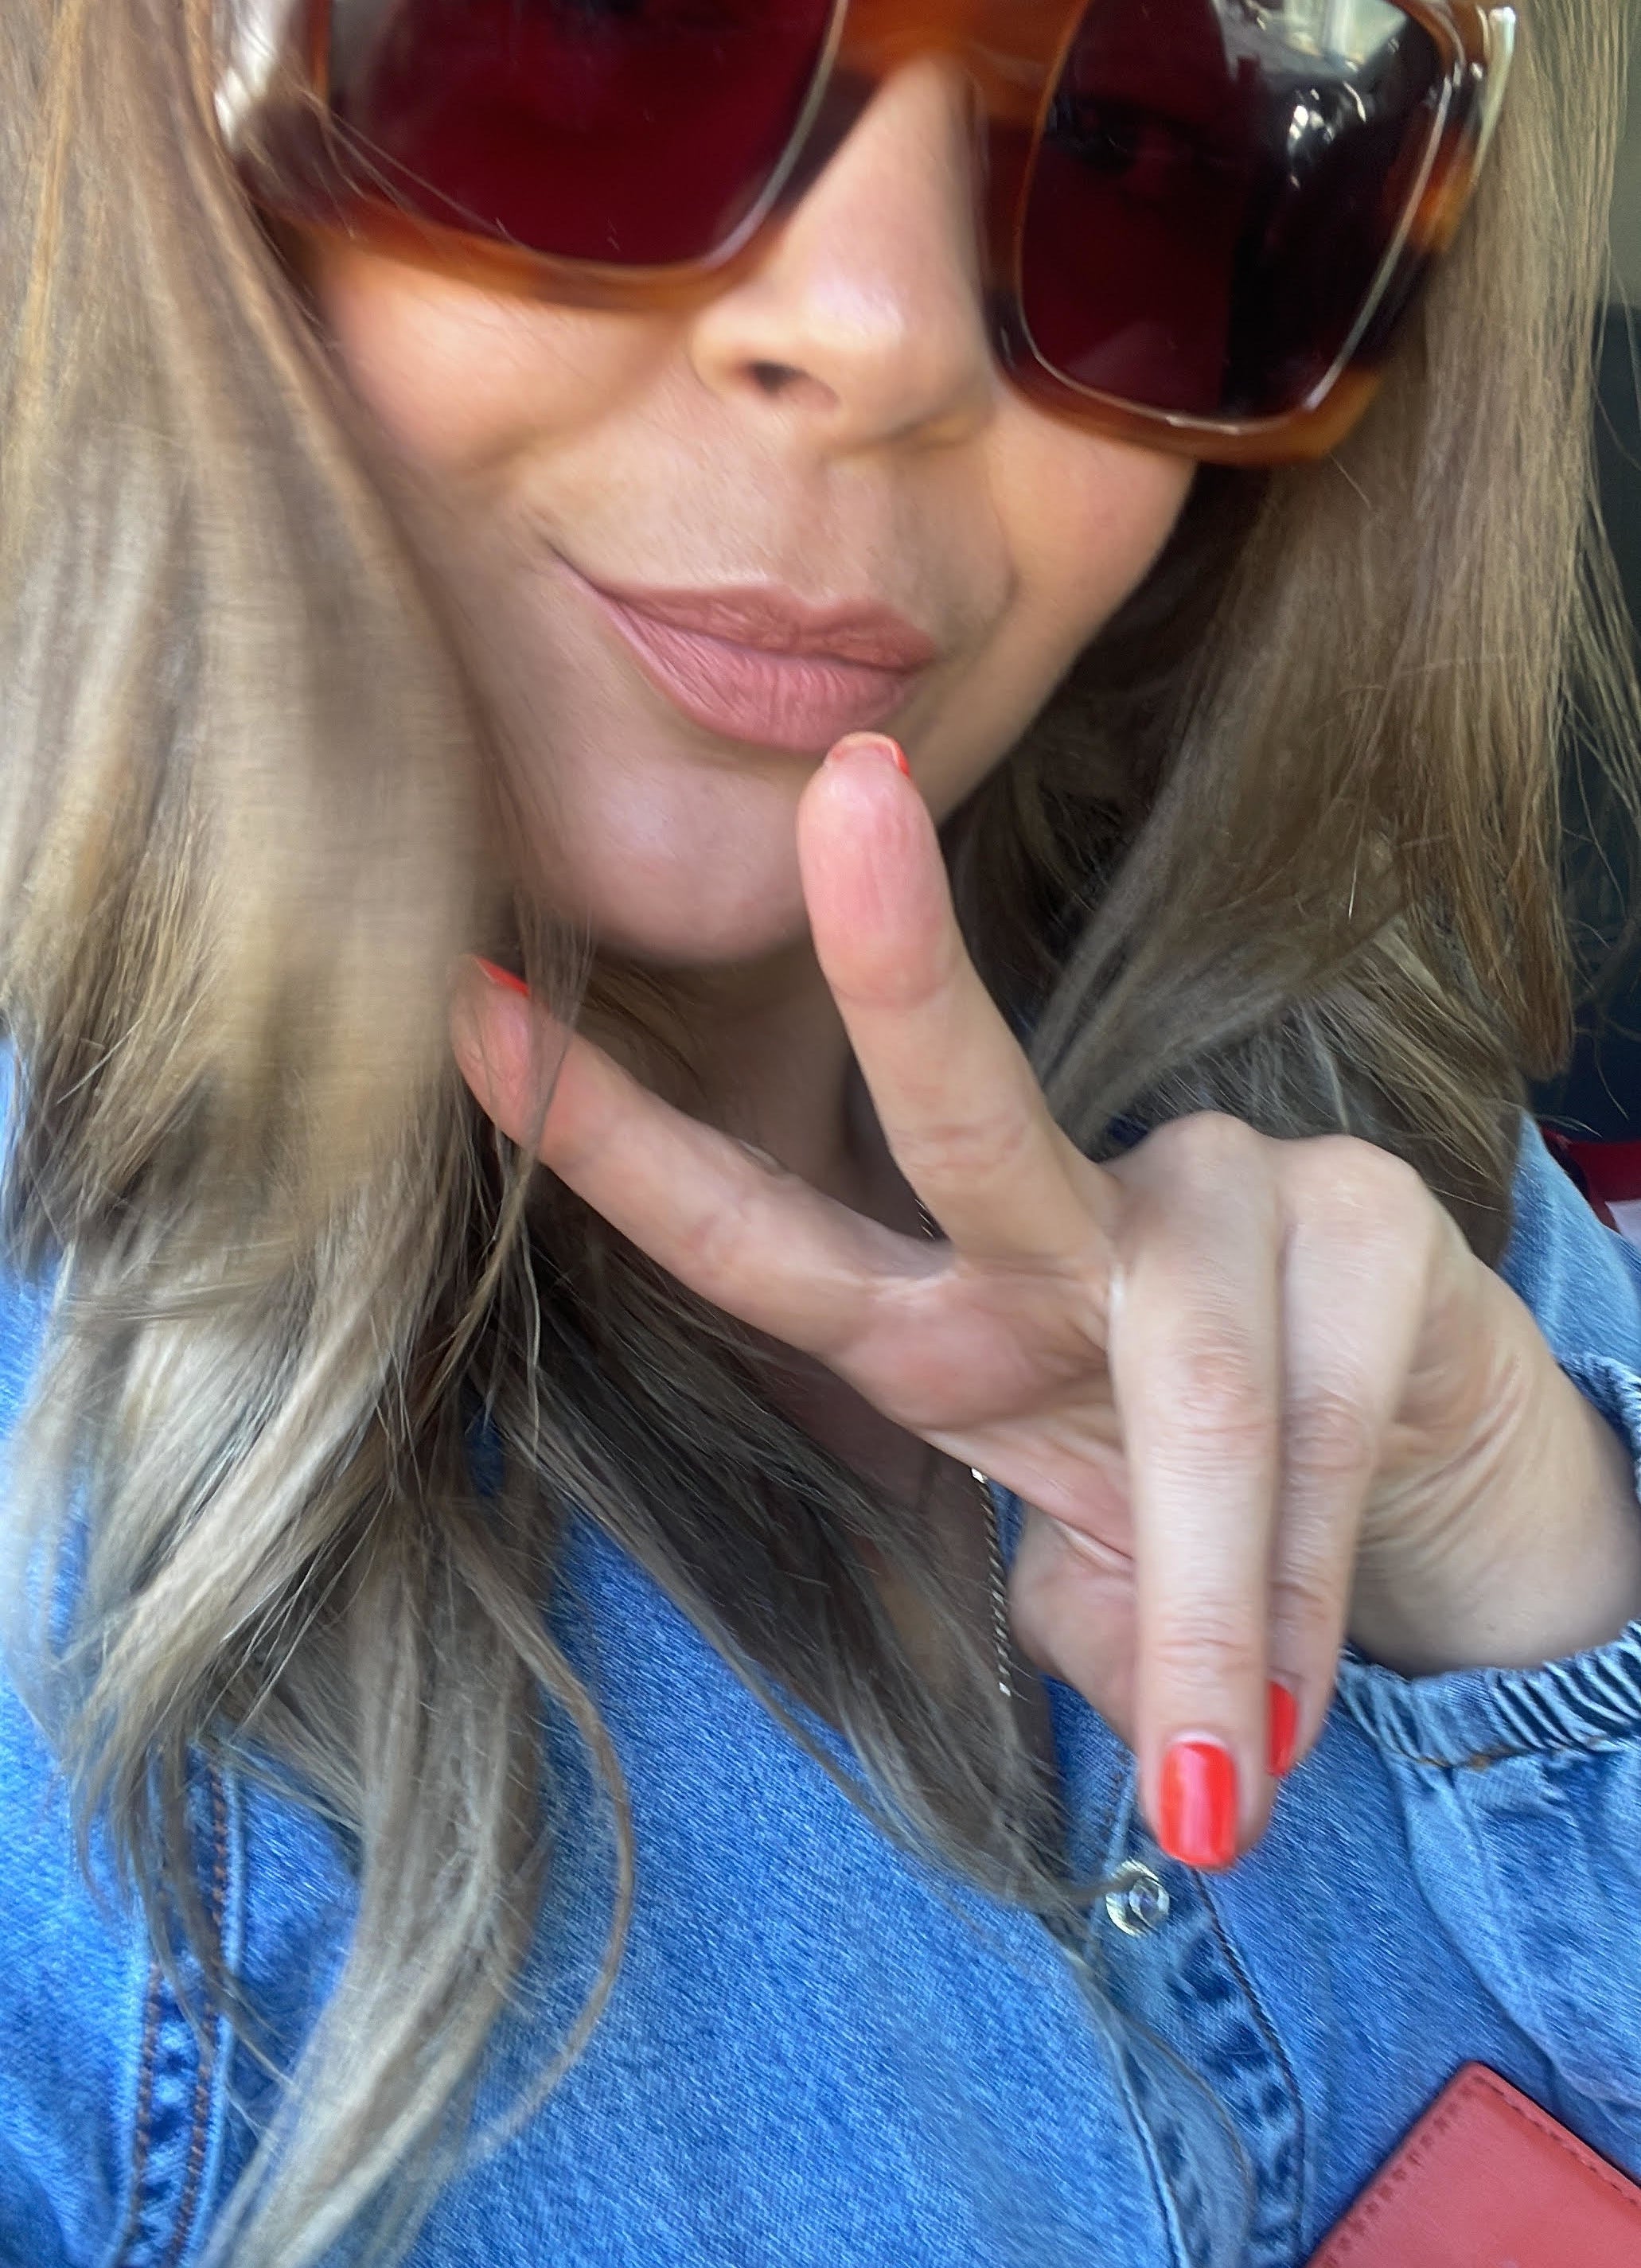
(764, 666)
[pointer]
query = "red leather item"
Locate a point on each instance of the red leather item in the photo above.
(1612, 1169)
(1488, 2180)
(1608, 1173)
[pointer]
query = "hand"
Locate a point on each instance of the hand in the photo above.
(1239, 1383)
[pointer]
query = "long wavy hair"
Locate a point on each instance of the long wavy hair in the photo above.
(329, 1369)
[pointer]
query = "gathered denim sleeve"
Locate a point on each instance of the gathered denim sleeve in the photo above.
(1520, 1790)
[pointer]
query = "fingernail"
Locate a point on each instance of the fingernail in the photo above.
(499, 975)
(1197, 1803)
(871, 744)
(495, 1034)
(1284, 1728)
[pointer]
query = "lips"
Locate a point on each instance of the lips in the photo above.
(762, 666)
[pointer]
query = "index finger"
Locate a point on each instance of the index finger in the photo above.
(959, 1104)
(750, 1237)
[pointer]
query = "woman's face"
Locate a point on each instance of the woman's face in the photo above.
(691, 550)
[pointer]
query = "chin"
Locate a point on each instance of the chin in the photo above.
(681, 950)
(668, 860)
(680, 921)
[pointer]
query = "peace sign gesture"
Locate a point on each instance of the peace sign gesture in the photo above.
(1253, 1392)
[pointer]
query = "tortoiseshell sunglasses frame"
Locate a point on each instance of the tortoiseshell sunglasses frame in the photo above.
(1011, 51)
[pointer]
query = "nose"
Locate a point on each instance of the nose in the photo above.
(863, 322)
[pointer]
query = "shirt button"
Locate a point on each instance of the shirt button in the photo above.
(1137, 1902)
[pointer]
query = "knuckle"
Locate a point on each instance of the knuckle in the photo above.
(1223, 1395)
(1329, 1437)
(707, 1254)
(988, 1147)
(1306, 1603)
(713, 1246)
(1357, 1183)
(1207, 1147)
(1202, 1647)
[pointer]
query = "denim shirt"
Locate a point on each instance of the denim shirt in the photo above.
(819, 2049)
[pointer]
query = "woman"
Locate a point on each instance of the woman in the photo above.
(571, 1763)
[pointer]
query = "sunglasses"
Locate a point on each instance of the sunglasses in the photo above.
(1200, 220)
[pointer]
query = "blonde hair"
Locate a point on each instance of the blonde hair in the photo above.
(327, 1371)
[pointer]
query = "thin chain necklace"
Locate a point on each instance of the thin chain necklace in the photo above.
(994, 1541)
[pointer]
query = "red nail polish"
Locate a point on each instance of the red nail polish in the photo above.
(1197, 1803)
(498, 976)
(876, 744)
(1283, 1724)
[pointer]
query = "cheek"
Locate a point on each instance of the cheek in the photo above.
(1085, 519)
(459, 379)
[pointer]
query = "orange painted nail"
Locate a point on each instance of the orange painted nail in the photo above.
(875, 744)
(1284, 1723)
(499, 975)
(1197, 1803)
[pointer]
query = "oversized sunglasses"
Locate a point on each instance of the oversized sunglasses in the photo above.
(1200, 219)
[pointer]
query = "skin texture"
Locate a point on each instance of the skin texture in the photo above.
(1232, 1463)
(833, 425)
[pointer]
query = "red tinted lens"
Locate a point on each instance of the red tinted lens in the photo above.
(634, 132)
(1217, 190)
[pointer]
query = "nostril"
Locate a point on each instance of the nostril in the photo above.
(772, 376)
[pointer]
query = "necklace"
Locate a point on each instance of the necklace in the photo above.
(996, 1575)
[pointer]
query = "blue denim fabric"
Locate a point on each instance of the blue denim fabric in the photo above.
(820, 2050)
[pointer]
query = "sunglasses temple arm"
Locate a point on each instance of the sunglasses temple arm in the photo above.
(1501, 49)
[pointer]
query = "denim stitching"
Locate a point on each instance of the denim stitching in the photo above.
(1273, 2040)
(141, 2132)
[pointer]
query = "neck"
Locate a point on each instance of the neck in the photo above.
(773, 1067)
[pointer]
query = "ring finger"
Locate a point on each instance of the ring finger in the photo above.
(1354, 1295)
